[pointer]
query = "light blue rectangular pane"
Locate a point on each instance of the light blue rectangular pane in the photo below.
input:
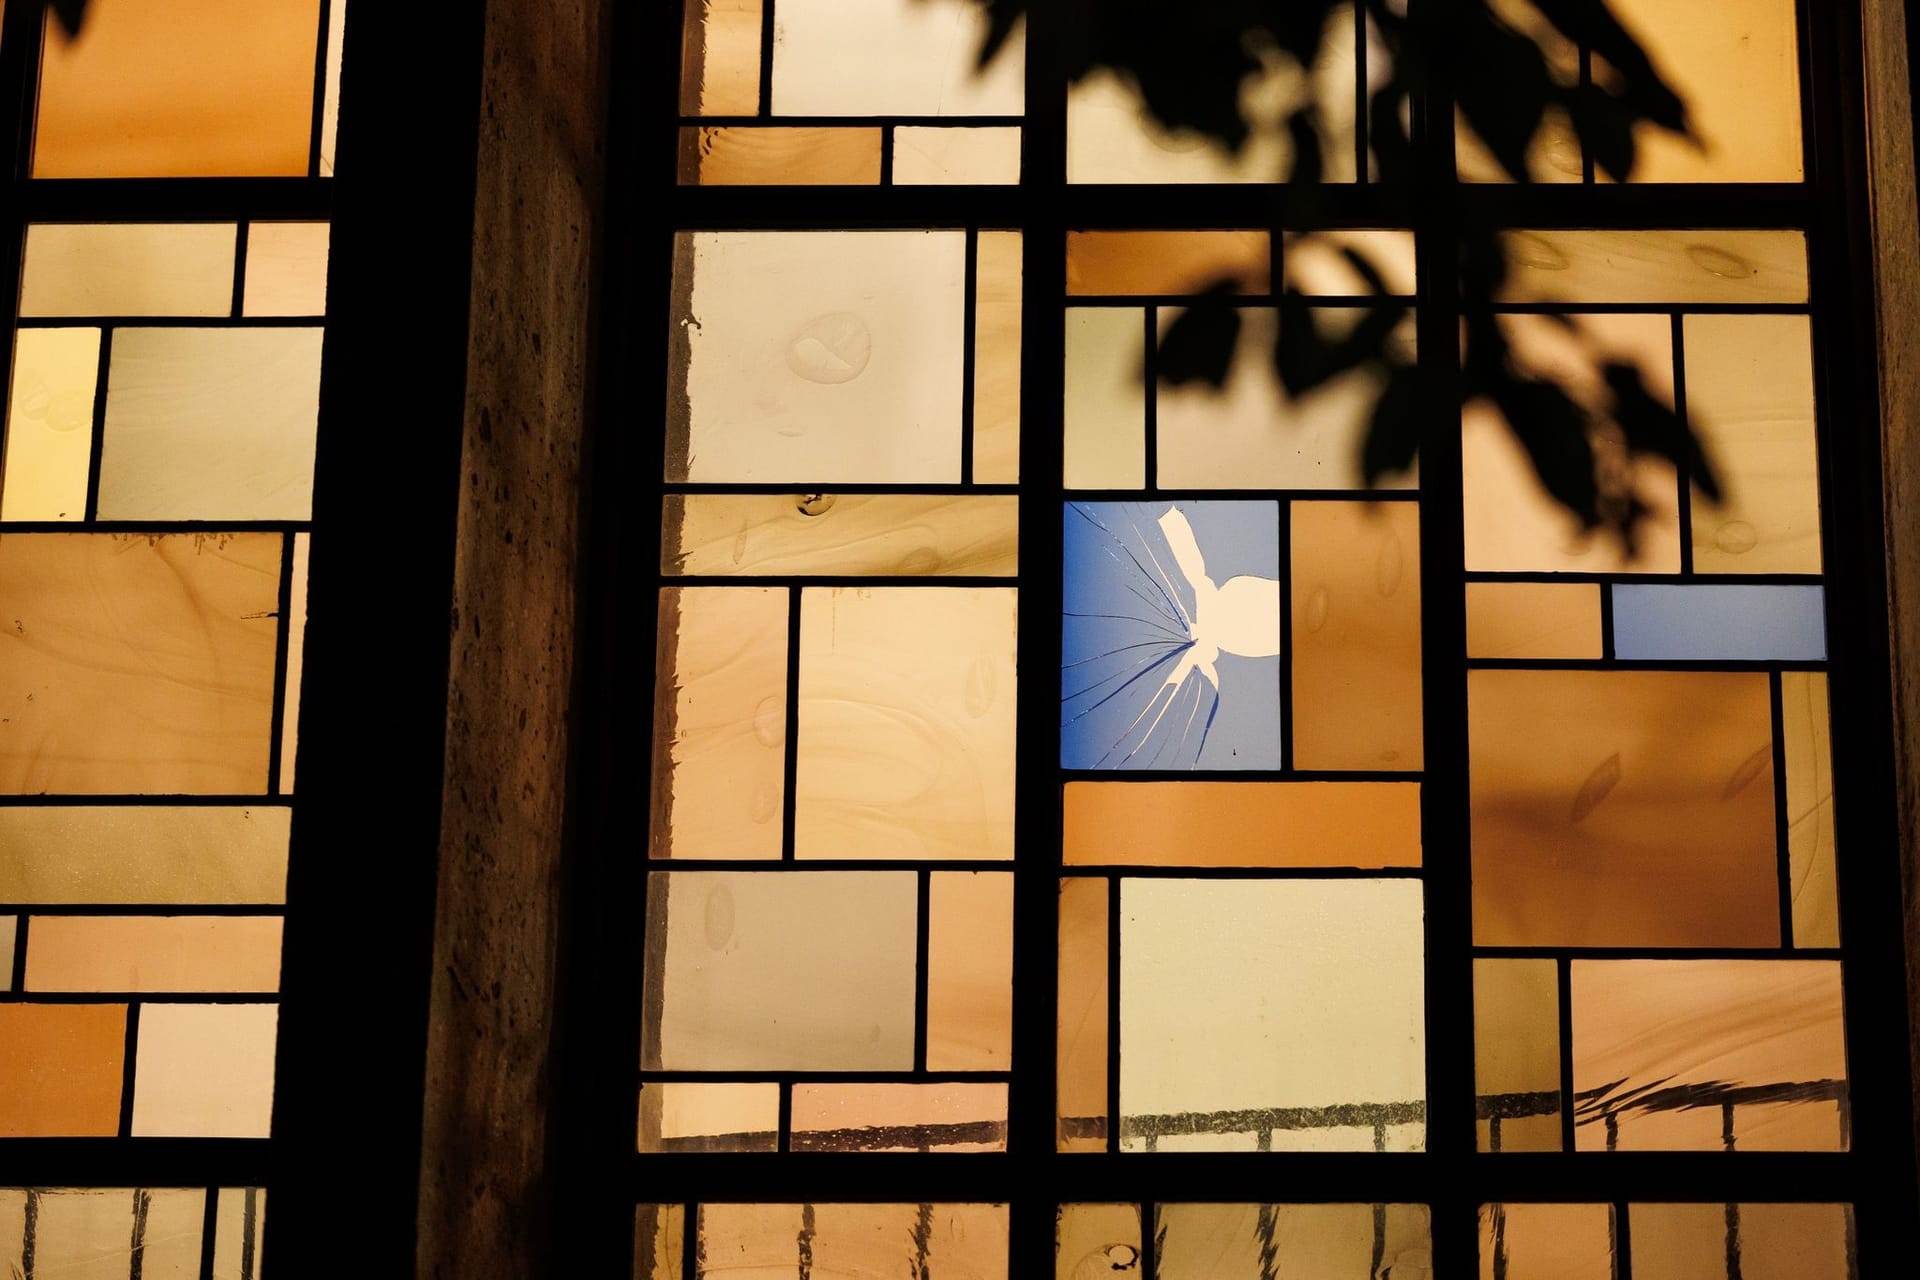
(1719, 621)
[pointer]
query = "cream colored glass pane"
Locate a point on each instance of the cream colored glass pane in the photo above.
(1105, 423)
(210, 424)
(1356, 635)
(60, 1069)
(769, 1241)
(1093, 1241)
(900, 1117)
(1622, 808)
(884, 534)
(709, 1117)
(147, 854)
(1736, 66)
(190, 88)
(1750, 396)
(50, 424)
(9, 928)
(1316, 263)
(906, 723)
(138, 663)
(1533, 620)
(751, 155)
(1516, 1054)
(1242, 824)
(780, 971)
(296, 657)
(153, 953)
(1262, 1006)
(88, 1233)
(803, 356)
(1656, 266)
(1081, 1053)
(997, 296)
(286, 269)
(979, 156)
(1657, 1041)
(1250, 434)
(330, 91)
(240, 1224)
(1164, 262)
(720, 58)
(204, 1071)
(891, 58)
(1807, 738)
(1546, 1242)
(659, 1241)
(970, 972)
(128, 269)
(720, 723)
(1258, 1241)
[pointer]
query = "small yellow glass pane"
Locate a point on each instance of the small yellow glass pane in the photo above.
(1257, 1241)
(286, 269)
(978, 156)
(962, 1241)
(50, 424)
(128, 269)
(1096, 1240)
(1105, 423)
(240, 1224)
(659, 1241)
(891, 58)
(144, 854)
(90, 1233)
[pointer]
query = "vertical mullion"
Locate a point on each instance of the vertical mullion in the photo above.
(1113, 1014)
(1563, 1038)
(1150, 395)
(1685, 476)
(788, 802)
(969, 335)
(923, 930)
(240, 237)
(209, 1224)
(99, 427)
(320, 58)
(283, 637)
(1285, 526)
(1783, 857)
(766, 56)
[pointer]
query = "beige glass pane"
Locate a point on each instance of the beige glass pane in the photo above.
(769, 1241)
(239, 1233)
(884, 534)
(1516, 1054)
(210, 424)
(815, 356)
(148, 854)
(204, 1071)
(1622, 808)
(1793, 1241)
(892, 58)
(1093, 1241)
(9, 928)
(1242, 824)
(906, 723)
(138, 663)
(286, 269)
(1105, 423)
(1546, 1242)
(1081, 1054)
(1356, 635)
(296, 658)
(1736, 66)
(720, 58)
(681, 1116)
(89, 1233)
(1656, 266)
(1250, 434)
(1533, 620)
(659, 1241)
(1750, 396)
(128, 269)
(970, 972)
(1778, 1241)
(1662, 1046)
(50, 424)
(153, 953)
(1316, 263)
(900, 1117)
(749, 155)
(191, 88)
(1258, 1241)
(60, 1069)
(998, 270)
(1164, 262)
(1271, 1014)
(720, 722)
(779, 970)
(330, 90)
(978, 156)
(1807, 738)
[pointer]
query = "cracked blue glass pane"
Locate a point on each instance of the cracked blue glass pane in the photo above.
(1170, 639)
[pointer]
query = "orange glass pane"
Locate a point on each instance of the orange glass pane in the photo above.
(1256, 1241)
(964, 1241)
(1096, 1240)
(1164, 262)
(1533, 620)
(900, 1117)
(1548, 1241)
(60, 1069)
(153, 953)
(970, 971)
(749, 155)
(89, 1233)
(1772, 1241)
(1243, 824)
(1082, 1027)
(886, 534)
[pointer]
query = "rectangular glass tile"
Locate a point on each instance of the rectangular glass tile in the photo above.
(1258, 1241)
(330, 91)
(1081, 1052)
(659, 1235)
(153, 953)
(1516, 1054)
(1709, 1055)
(970, 971)
(1622, 808)
(1806, 735)
(779, 971)
(128, 269)
(680, 1116)
(1096, 1240)
(1242, 824)
(240, 1227)
(1315, 263)
(891, 58)
(204, 1070)
(60, 1069)
(286, 269)
(154, 855)
(1104, 428)
(296, 659)
(752, 1241)
(757, 155)
(998, 272)
(720, 58)
(1308, 998)
(1561, 1241)
(50, 424)
(1719, 622)
(900, 1117)
(1750, 1241)
(103, 1233)
(975, 156)
(1708, 265)
(803, 534)
(1533, 619)
(1164, 262)
(9, 931)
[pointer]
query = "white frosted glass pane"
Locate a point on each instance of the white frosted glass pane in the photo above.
(204, 1070)
(891, 57)
(981, 155)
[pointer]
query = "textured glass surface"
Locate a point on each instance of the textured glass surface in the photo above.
(997, 299)
(1702, 265)
(1096, 1240)
(890, 57)
(746, 155)
(1807, 738)
(50, 424)
(884, 534)
(1242, 824)
(145, 854)
(1516, 1054)
(1163, 262)
(900, 1117)
(1256, 1241)
(1082, 1030)
(1548, 1241)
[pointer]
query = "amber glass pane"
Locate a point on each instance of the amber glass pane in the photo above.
(779, 970)
(906, 723)
(1763, 1241)
(1105, 423)
(1081, 1060)
(889, 534)
(998, 271)
(720, 58)
(900, 1117)
(90, 1233)
(709, 1117)
(1807, 737)
(1271, 1014)
(1546, 1242)
(1690, 1055)
(1243, 824)
(1257, 1241)
(1622, 808)
(153, 953)
(720, 722)
(659, 1234)
(148, 854)
(1095, 1240)
(190, 88)
(890, 57)
(9, 930)
(1163, 262)
(286, 269)
(1516, 1054)
(128, 269)
(1533, 620)
(50, 424)
(970, 972)
(1356, 635)
(204, 1070)
(974, 156)
(748, 155)
(138, 663)
(769, 1241)
(60, 1069)
(1656, 266)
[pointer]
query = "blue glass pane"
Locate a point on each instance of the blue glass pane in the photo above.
(1719, 622)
